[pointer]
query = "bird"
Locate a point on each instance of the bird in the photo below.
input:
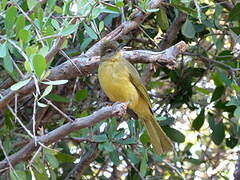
(121, 82)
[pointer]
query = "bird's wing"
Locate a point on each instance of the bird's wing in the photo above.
(137, 82)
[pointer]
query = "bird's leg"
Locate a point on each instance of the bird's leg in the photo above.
(124, 108)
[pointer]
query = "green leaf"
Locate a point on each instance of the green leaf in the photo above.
(96, 11)
(8, 121)
(85, 43)
(119, 134)
(143, 167)
(100, 138)
(31, 3)
(162, 19)
(164, 121)
(224, 78)
(131, 126)
(127, 141)
(101, 26)
(27, 66)
(218, 132)
(218, 92)
(133, 157)
(144, 138)
(81, 95)
(24, 35)
(237, 112)
(57, 98)
(235, 13)
(69, 29)
(234, 101)
(184, 7)
(107, 146)
(198, 122)
(231, 142)
(65, 158)
(119, 3)
(20, 23)
(111, 9)
(17, 174)
(46, 91)
(235, 87)
(3, 49)
(50, 4)
(112, 130)
(52, 160)
(202, 90)
(20, 84)
(39, 65)
(10, 18)
(57, 82)
(90, 32)
(188, 29)
(174, 134)
(55, 24)
(114, 157)
(217, 80)
(7, 62)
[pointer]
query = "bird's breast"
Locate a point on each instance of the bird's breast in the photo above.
(115, 82)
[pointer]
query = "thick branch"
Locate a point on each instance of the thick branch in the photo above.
(61, 132)
(68, 69)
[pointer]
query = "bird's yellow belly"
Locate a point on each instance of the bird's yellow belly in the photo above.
(114, 80)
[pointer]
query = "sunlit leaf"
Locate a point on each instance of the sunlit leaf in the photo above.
(69, 29)
(11, 15)
(57, 82)
(39, 65)
(47, 91)
(20, 84)
(188, 29)
(235, 13)
(90, 32)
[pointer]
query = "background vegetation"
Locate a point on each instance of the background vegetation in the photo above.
(197, 103)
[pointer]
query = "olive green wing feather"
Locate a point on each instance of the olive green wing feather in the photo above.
(137, 82)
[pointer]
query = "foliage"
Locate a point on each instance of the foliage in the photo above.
(197, 104)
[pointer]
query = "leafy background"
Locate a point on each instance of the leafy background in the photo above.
(197, 104)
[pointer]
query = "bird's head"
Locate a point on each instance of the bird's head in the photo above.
(110, 50)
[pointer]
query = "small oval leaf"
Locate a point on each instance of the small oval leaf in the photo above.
(20, 84)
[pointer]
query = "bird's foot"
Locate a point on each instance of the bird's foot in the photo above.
(123, 108)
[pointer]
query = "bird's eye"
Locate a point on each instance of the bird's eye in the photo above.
(109, 51)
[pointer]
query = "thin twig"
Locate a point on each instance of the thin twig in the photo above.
(6, 156)
(174, 168)
(132, 165)
(20, 122)
(34, 117)
(34, 156)
(68, 58)
(57, 109)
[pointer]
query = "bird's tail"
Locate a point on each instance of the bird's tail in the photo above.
(161, 143)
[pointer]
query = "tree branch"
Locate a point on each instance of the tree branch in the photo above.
(59, 133)
(87, 65)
